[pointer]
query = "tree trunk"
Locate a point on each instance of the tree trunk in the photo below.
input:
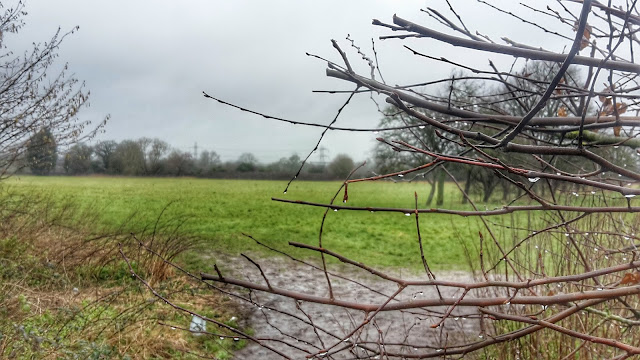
(467, 188)
(505, 190)
(431, 192)
(440, 196)
(488, 190)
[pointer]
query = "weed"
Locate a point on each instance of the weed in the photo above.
(65, 294)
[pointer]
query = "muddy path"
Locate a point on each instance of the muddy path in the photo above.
(286, 323)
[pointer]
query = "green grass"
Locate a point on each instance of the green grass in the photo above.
(219, 211)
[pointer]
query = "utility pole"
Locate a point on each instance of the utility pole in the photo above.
(195, 150)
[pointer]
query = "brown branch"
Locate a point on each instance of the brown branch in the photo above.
(548, 300)
(259, 268)
(627, 16)
(555, 121)
(586, 8)
(530, 174)
(594, 339)
(508, 50)
(500, 211)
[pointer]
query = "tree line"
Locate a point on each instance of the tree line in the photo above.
(155, 157)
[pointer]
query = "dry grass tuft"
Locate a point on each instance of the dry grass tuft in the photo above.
(65, 291)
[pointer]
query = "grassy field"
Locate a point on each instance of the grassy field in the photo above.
(84, 290)
(219, 211)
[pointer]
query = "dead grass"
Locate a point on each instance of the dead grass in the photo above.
(602, 240)
(65, 292)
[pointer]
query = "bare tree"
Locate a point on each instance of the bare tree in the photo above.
(341, 165)
(128, 158)
(208, 162)
(154, 150)
(180, 163)
(557, 278)
(247, 162)
(33, 97)
(77, 160)
(104, 151)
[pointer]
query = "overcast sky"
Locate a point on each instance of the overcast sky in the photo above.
(147, 63)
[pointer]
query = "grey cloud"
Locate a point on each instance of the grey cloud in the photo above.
(147, 63)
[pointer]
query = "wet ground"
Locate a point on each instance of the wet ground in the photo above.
(286, 323)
